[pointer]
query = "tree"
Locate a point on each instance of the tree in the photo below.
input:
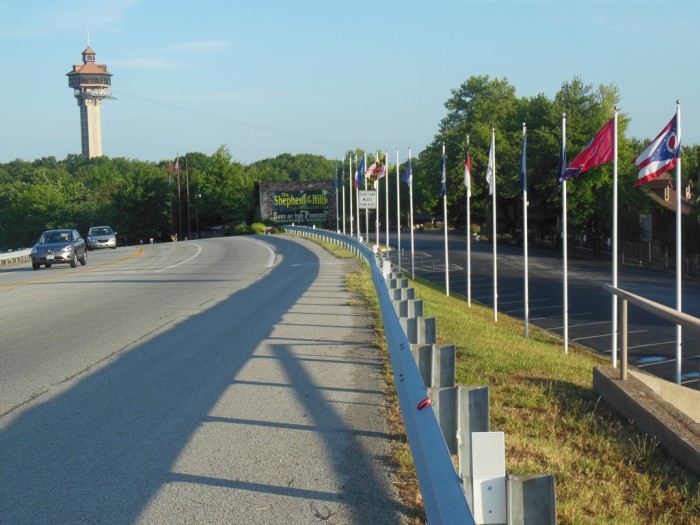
(142, 205)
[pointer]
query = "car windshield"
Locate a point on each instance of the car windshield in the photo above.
(100, 231)
(48, 237)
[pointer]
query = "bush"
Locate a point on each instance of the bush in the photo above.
(258, 228)
(242, 229)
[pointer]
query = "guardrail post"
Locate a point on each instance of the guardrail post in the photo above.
(444, 402)
(402, 294)
(531, 499)
(489, 477)
(409, 307)
(472, 416)
(423, 354)
(444, 367)
(421, 330)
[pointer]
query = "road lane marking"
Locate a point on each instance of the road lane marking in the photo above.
(199, 250)
(271, 254)
(61, 275)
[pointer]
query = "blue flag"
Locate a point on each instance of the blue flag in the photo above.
(359, 174)
(408, 174)
(561, 165)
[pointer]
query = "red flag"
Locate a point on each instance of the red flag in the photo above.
(598, 151)
(468, 173)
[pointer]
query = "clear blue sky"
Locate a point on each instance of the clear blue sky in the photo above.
(266, 77)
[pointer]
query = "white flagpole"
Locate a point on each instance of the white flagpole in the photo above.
(398, 211)
(342, 185)
(525, 276)
(565, 240)
(679, 250)
(444, 220)
(410, 199)
(386, 195)
(337, 208)
(357, 203)
(614, 243)
(469, 235)
(376, 210)
(351, 183)
(494, 232)
(364, 176)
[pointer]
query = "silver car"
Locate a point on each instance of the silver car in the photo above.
(101, 237)
(59, 247)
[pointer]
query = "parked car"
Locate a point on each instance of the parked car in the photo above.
(101, 237)
(59, 247)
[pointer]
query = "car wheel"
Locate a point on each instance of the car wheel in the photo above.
(83, 259)
(74, 261)
(35, 266)
(48, 265)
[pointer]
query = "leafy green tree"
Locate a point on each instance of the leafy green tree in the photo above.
(142, 205)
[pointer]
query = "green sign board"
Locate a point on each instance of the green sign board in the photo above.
(309, 205)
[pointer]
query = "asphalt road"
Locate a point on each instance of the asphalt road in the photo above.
(215, 381)
(651, 343)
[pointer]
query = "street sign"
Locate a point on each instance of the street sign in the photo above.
(367, 199)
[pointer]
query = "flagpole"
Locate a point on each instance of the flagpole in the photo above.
(494, 232)
(351, 184)
(357, 202)
(179, 199)
(364, 168)
(469, 229)
(385, 167)
(444, 219)
(410, 200)
(679, 250)
(337, 213)
(376, 204)
(187, 185)
(342, 185)
(525, 203)
(398, 211)
(565, 239)
(614, 242)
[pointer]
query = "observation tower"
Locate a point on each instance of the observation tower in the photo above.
(90, 83)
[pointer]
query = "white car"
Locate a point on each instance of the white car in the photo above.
(101, 237)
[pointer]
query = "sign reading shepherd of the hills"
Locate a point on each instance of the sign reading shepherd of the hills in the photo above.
(308, 202)
(309, 205)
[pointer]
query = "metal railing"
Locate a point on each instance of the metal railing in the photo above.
(659, 310)
(444, 499)
(15, 257)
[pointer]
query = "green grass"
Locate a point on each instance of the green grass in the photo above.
(542, 399)
(605, 470)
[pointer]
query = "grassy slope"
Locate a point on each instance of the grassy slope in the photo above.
(606, 472)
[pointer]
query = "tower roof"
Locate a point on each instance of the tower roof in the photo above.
(88, 66)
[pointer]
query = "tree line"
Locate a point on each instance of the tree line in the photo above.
(141, 200)
(481, 104)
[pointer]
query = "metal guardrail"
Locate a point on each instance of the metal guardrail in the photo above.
(15, 257)
(444, 499)
(659, 310)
